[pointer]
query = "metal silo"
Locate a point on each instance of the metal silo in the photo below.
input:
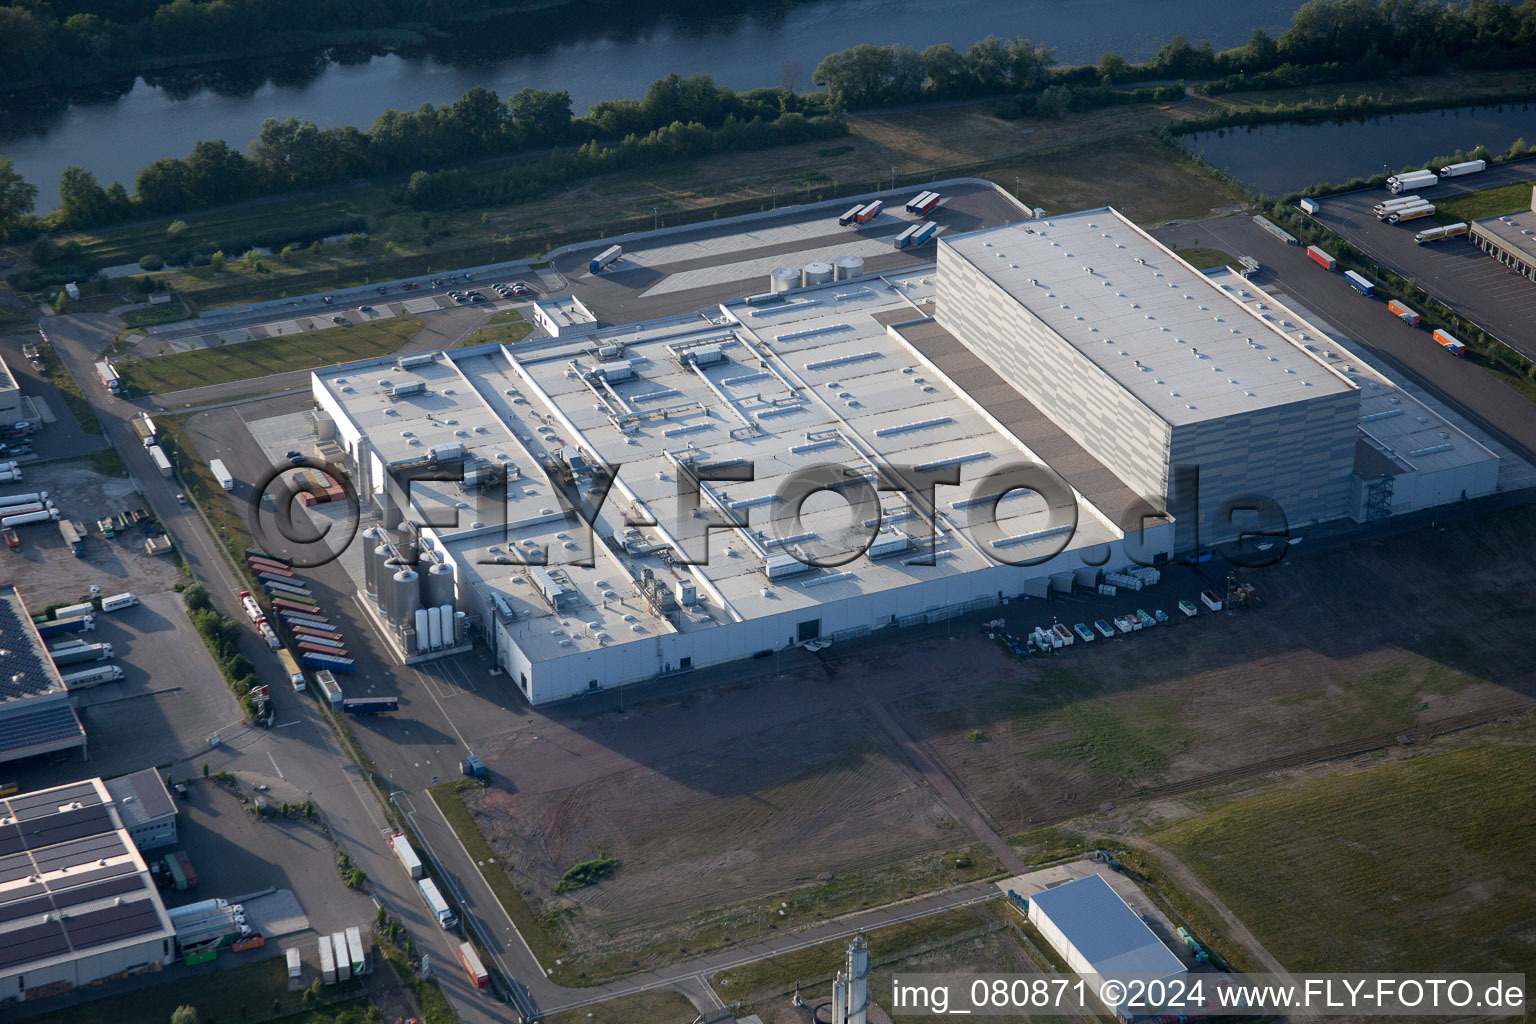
(380, 557)
(406, 597)
(782, 279)
(849, 267)
(817, 272)
(370, 564)
(438, 586)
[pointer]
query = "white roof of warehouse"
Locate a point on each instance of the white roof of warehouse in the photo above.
(1109, 934)
(1180, 345)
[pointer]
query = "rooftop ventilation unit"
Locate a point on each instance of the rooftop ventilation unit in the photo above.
(405, 388)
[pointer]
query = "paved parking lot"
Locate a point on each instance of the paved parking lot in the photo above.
(1453, 270)
(62, 437)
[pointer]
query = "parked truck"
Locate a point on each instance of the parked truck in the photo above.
(1321, 258)
(92, 677)
(327, 960)
(1402, 312)
(344, 665)
(606, 257)
(435, 903)
(356, 953)
(870, 212)
(370, 705)
(81, 654)
(1449, 343)
(117, 602)
(343, 956)
(1386, 206)
(109, 378)
(1465, 167)
(291, 669)
(329, 686)
(470, 960)
(1359, 283)
(73, 536)
(851, 216)
(252, 609)
(222, 475)
(182, 874)
(74, 624)
(1446, 231)
(1408, 213)
(144, 430)
(407, 855)
(1411, 181)
(162, 463)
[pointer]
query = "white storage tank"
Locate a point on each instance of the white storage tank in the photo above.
(817, 272)
(423, 632)
(434, 627)
(782, 279)
(849, 267)
(460, 628)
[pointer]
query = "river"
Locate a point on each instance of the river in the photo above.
(142, 119)
(1287, 157)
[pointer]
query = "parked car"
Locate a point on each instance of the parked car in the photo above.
(518, 288)
(409, 285)
(328, 299)
(381, 289)
(340, 320)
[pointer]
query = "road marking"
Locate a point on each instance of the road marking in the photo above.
(284, 725)
(275, 767)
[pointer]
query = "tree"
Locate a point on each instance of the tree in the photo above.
(175, 229)
(217, 261)
(1113, 68)
(16, 198)
(82, 200)
(945, 68)
(184, 1014)
(1054, 102)
(790, 75)
(989, 64)
(541, 116)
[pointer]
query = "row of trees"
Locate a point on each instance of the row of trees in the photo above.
(291, 155)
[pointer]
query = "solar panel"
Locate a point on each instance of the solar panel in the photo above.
(22, 672)
(48, 801)
(25, 728)
(112, 924)
(10, 840)
(34, 907)
(35, 942)
(17, 865)
(100, 884)
(93, 846)
(87, 822)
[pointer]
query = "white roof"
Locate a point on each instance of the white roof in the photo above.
(1108, 933)
(1184, 348)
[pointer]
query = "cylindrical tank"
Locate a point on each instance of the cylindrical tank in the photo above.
(782, 279)
(437, 587)
(30, 517)
(388, 593)
(407, 597)
(817, 272)
(435, 624)
(460, 626)
(423, 632)
(22, 499)
(409, 552)
(370, 561)
(445, 615)
(849, 267)
(381, 557)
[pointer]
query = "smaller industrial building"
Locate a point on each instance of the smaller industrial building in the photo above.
(11, 410)
(1510, 239)
(35, 714)
(1099, 935)
(77, 904)
(146, 808)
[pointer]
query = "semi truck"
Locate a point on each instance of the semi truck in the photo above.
(252, 609)
(343, 956)
(1386, 206)
(1359, 283)
(117, 602)
(355, 951)
(435, 903)
(222, 475)
(92, 677)
(74, 611)
(291, 668)
(73, 536)
(604, 258)
(1465, 167)
(329, 686)
(1321, 258)
(346, 666)
(472, 965)
(25, 518)
(144, 430)
(407, 854)
(269, 635)
(109, 378)
(1403, 313)
(327, 960)
(81, 654)
(162, 463)
(370, 705)
(1408, 213)
(74, 624)
(1412, 180)
(1448, 342)
(870, 212)
(1446, 231)
(850, 216)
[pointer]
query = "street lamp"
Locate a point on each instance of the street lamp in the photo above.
(655, 217)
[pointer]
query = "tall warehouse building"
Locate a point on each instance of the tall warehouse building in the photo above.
(1151, 367)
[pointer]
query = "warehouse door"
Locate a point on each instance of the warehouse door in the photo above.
(810, 629)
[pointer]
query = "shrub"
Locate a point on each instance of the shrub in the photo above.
(588, 872)
(150, 261)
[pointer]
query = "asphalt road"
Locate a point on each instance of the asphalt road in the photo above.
(1469, 281)
(1408, 351)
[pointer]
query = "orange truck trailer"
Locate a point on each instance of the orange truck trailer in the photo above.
(1403, 313)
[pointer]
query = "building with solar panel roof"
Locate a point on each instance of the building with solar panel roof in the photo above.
(77, 904)
(35, 715)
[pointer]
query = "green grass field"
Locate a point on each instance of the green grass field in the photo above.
(505, 328)
(1419, 865)
(266, 356)
(14, 321)
(255, 991)
(1205, 259)
(659, 1006)
(1490, 202)
(69, 390)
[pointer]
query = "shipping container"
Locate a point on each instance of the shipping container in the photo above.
(117, 602)
(435, 903)
(604, 258)
(324, 645)
(291, 617)
(370, 705)
(1436, 234)
(280, 589)
(1321, 258)
(329, 686)
(1402, 312)
(905, 238)
(297, 603)
(1449, 343)
(325, 661)
(916, 202)
(407, 855)
(850, 216)
(924, 232)
(870, 212)
(929, 205)
(291, 669)
(162, 463)
(1465, 167)
(317, 632)
(1359, 283)
(472, 965)
(261, 563)
(310, 647)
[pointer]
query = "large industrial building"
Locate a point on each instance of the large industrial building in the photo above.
(35, 713)
(77, 904)
(1170, 410)
(1098, 935)
(1510, 239)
